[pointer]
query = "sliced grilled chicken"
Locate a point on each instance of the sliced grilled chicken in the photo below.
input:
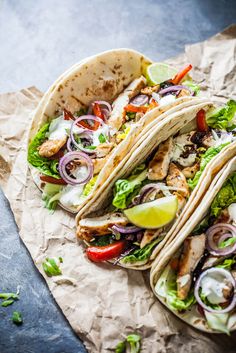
(150, 89)
(149, 236)
(212, 261)
(51, 147)
(189, 172)
(99, 163)
(89, 227)
(177, 179)
(103, 149)
(117, 116)
(193, 250)
(159, 165)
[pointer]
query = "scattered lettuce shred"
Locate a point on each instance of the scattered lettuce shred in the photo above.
(126, 189)
(227, 264)
(51, 266)
(131, 344)
(141, 254)
(17, 318)
(222, 118)
(205, 159)
(225, 196)
(51, 195)
(44, 165)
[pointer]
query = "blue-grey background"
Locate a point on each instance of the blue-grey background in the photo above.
(38, 41)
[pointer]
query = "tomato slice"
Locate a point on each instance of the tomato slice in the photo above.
(68, 115)
(97, 111)
(51, 180)
(180, 75)
(201, 121)
(135, 109)
(105, 253)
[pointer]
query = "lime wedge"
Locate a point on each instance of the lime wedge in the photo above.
(153, 214)
(159, 72)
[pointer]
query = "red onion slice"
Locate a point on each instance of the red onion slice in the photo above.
(87, 118)
(69, 157)
(226, 230)
(140, 99)
(174, 89)
(226, 274)
(126, 230)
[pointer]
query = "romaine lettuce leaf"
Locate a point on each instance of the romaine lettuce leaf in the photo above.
(51, 195)
(222, 118)
(205, 159)
(44, 165)
(194, 87)
(227, 264)
(225, 196)
(141, 254)
(126, 189)
(217, 321)
(89, 186)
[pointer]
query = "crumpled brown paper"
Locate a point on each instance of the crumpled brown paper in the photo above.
(101, 301)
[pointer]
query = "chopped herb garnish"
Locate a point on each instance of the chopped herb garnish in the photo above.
(130, 115)
(102, 138)
(131, 344)
(17, 318)
(91, 147)
(7, 302)
(7, 296)
(51, 266)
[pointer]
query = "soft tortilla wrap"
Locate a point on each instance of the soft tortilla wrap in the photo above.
(101, 77)
(160, 264)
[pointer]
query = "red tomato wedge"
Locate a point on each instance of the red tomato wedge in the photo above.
(201, 121)
(105, 253)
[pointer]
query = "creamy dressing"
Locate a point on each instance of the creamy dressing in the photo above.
(225, 137)
(72, 194)
(232, 212)
(212, 287)
(180, 142)
(166, 100)
(59, 128)
(101, 130)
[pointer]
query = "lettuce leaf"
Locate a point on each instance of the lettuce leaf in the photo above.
(194, 87)
(126, 189)
(225, 196)
(44, 165)
(206, 158)
(222, 118)
(141, 254)
(227, 264)
(217, 321)
(89, 186)
(51, 195)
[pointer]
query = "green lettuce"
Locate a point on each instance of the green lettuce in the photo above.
(225, 196)
(51, 195)
(126, 189)
(89, 186)
(227, 264)
(221, 118)
(141, 254)
(217, 321)
(167, 287)
(194, 87)
(205, 159)
(44, 165)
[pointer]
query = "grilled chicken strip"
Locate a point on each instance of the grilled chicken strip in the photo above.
(149, 236)
(98, 164)
(89, 227)
(51, 147)
(177, 179)
(103, 149)
(189, 172)
(118, 113)
(159, 165)
(193, 250)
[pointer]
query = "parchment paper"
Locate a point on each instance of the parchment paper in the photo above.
(100, 301)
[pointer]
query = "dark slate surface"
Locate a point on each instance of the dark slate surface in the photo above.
(39, 40)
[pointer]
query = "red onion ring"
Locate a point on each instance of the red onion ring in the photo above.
(228, 275)
(126, 230)
(212, 246)
(87, 117)
(69, 157)
(174, 89)
(140, 99)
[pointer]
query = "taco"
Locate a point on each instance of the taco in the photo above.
(92, 116)
(158, 186)
(195, 277)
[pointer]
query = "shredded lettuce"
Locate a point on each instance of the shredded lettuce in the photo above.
(131, 344)
(217, 321)
(222, 118)
(166, 287)
(194, 87)
(123, 135)
(141, 254)
(130, 115)
(89, 186)
(126, 189)
(225, 196)
(44, 165)
(227, 242)
(205, 159)
(51, 195)
(227, 264)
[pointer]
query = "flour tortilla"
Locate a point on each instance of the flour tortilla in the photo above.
(102, 77)
(161, 262)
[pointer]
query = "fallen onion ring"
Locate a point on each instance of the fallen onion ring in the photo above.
(140, 99)
(69, 157)
(174, 89)
(228, 275)
(229, 231)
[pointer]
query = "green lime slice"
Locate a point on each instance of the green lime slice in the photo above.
(160, 72)
(153, 214)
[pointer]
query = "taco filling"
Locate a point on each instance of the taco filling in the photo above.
(146, 204)
(72, 149)
(200, 279)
